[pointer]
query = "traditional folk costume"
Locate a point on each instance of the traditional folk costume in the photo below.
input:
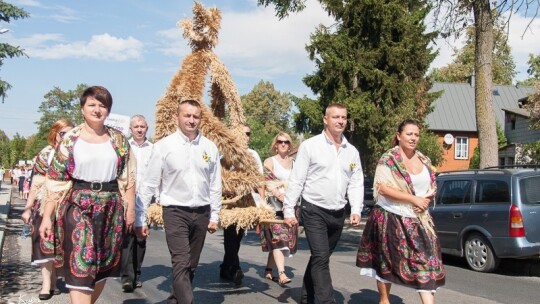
(278, 236)
(42, 250)
(398, 245)
(88, 182)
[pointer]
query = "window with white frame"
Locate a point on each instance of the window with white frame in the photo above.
(462, 148)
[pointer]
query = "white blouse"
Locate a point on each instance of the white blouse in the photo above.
(421, 183)
(94, 162)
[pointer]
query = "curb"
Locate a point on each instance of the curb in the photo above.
(5, 204)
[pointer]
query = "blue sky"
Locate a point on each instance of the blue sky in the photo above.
(133, 48)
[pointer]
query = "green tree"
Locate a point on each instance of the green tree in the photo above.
(268, 111)
(533, 105)
(4, 150)
(462, 67)
(429, 146)
(373, 60)
(501, 142)
(8, 13)
(452, 17)
(533, 71)
(58, 104)
(308, 121)
(17, 149)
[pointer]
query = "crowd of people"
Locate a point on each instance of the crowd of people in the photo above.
(91, 187)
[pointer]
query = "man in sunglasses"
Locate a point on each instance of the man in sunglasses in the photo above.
(133, 248)
(230, 268)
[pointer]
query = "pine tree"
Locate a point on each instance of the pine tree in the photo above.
(373, 60)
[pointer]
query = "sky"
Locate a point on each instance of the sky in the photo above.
(133, 48)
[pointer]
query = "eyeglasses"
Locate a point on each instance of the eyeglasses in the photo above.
(62, 133)
(279, 142)
(248, 133)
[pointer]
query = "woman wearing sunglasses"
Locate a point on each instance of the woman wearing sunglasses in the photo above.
(43, 250)
(278, 239)
(91, 184)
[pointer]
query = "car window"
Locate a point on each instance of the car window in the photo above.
(454, 192)
(530, 192)
(492, 191)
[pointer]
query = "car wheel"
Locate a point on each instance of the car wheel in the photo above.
(479, 254)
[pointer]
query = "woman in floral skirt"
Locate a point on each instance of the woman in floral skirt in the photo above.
(91, 183)
(399, 243)
(278, 239)
(43, 249)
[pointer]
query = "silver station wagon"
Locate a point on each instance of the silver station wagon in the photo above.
(485, 215)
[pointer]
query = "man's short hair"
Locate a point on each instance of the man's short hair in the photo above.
(334, 105)
(137, 116)
(192, 102)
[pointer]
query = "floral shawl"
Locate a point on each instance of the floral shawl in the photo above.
(39, 173)
(391, 172)
(59, 178)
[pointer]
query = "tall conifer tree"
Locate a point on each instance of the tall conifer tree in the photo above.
(373, 60)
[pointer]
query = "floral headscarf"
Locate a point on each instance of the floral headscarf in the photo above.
(391, 172)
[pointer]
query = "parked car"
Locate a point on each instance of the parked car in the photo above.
(486, 215)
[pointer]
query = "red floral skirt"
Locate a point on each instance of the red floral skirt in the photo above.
(401, 250)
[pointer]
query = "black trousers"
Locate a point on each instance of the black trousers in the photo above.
(323, 229)
(185, 232)
(133, 251)
(231, 244)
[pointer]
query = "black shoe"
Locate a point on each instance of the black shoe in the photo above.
(127, 286)
(45, 296)
(238, 276)
(138, 284)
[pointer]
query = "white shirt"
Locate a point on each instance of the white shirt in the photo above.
(142, 154)
(256, 196)
(94, 162)
(323, 175)
(189, 173)
(257, 159)
(421, 183)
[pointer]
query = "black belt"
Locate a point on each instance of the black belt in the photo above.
(111, 186)
(200, 209)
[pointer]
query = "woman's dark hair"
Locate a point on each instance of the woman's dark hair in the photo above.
(99, 93)
(400, 128)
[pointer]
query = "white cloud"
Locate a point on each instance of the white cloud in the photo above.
(523, 42)
(64, 14)
(257, 44)
(100, 47)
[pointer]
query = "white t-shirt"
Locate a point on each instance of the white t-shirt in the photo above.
(94, 162)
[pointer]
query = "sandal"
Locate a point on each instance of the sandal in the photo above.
(268, 274)
(285, 280)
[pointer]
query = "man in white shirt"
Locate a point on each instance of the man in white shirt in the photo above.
(230, 268)
(326, 170)
(186, 167)
(133, 248)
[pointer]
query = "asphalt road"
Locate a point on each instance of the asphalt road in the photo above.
(20, 282)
